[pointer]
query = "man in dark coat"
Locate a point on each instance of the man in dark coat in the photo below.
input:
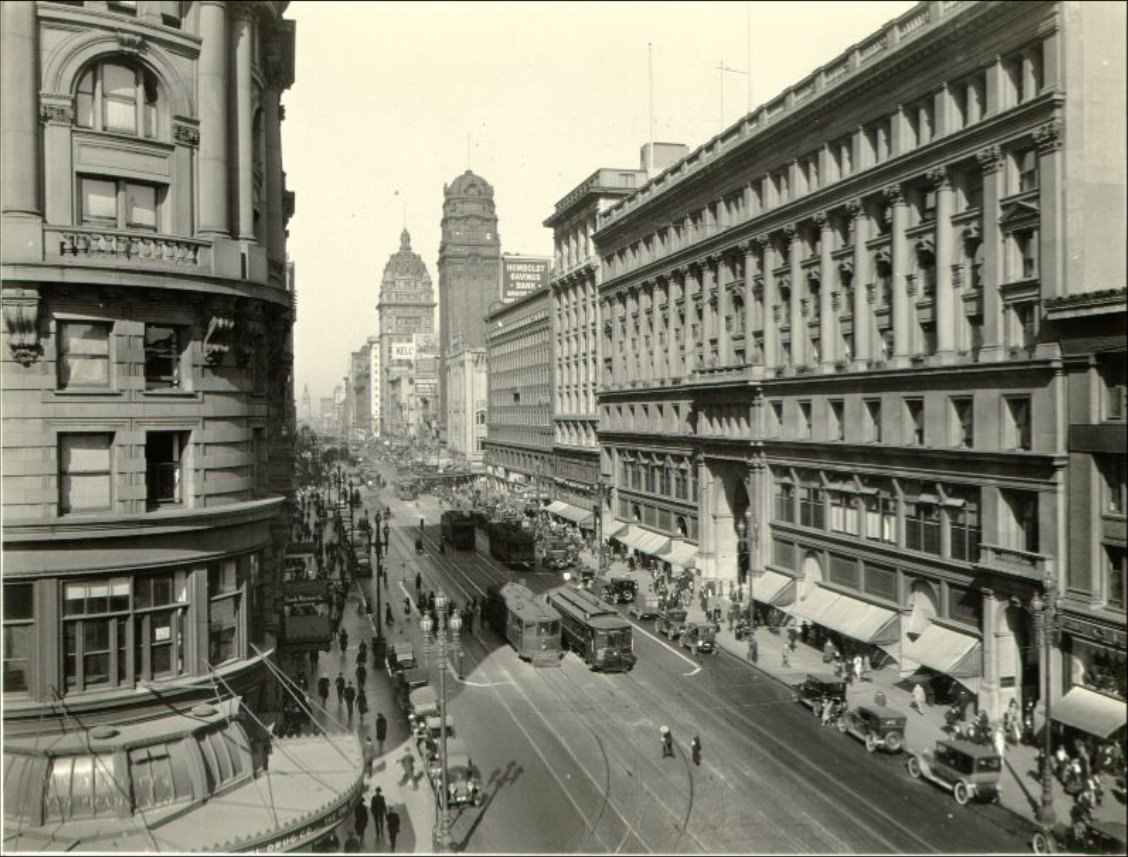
(381, 730)
(350, 698)
(340, 682)
(379, 809)
(361, 674)
(393, 827)
(323, 689)
(360, 819)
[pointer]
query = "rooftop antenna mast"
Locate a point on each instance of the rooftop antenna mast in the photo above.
(650, 82)
(748, 46)
(722, 68)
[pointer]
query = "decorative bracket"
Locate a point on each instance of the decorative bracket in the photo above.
(217, 341)
(21, 318)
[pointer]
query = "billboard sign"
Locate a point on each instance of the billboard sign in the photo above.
(522, 275)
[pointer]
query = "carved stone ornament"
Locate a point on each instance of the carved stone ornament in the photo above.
(130, 43)
(186, 135)
(957, 276)
(939, 178)
(846, 267)
(56, 110)
(854, 207)
(894, 194)
(21, 318)
(1048, 137)
(791, 232)
(972, 234)
(217, 340)
(871, 292)
(251, 334)
(821, 219)
(990, 159)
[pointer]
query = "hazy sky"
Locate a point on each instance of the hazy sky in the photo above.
(387, 95)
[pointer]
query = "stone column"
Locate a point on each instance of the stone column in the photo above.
(991, 163)
(649, 329)
(863, 317)
(1051, 236)
(689, 344)
(902, 341)
(798, 320)
(709, 279)
(706, 524)
(750, 355)
(828, 321)
(726, 323)
(244, 25)
(212, 78)
(771, 302)
(989, 686)
(19, 113)
(611, 306)
(272, 126)
(945, 305)
(673, 364)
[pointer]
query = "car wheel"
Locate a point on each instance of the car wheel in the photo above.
(1043, 843)
(914, 767)
(893, 742)
(871, 744)
(961, 793)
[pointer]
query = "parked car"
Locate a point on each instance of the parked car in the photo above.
(669, 622)
(877, 726)
(817, 687)
(463, 779)
(699, 637)
(969, 771)
(1084, 836)
(401, 656)
(645, 606)
(619, 590)
(423, 703)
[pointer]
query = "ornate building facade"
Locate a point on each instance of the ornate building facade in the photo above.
(148, 411)
(469, 265)
(834, 353)
(518, 445)
(406, 309)
(467, 385)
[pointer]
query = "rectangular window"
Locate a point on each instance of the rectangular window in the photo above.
(163, 350)
(881, 518)
(19, 635)
(1113, 470)
(922, 526)
(1025, 253)
(805, 420)
(95, 632)
(1020, 521)
(99, 203)
(844, 513)
(963, 427)
(963, 527)
(785, 502)
(881, 581)
(811, 507)
(85, 473)
(964, 605)
(837, 419)
(844, 571)
(1016, 422)
(225, 589)
(1026, 170)
(914, 422)
(873, 420)
(777, 419)
(119, 204)
(1115, 578)
(84, 354)
(164, 468)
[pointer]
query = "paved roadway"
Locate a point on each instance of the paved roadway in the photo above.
(571, 758)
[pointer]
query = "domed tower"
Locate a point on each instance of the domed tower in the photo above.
(469, 264)
(407, 326)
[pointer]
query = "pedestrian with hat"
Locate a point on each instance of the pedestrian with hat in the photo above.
(379, 808)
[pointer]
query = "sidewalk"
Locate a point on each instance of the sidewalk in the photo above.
(1021, 788)
(413, 800)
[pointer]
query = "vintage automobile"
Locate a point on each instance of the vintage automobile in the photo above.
(422, 703)
(429, 735)
(645, 606)
(969, 771)
(619, 590)
(817, 687)
(669, 622)
(877, 726)
(464, 781)
(401, 656)
(699, 637)
(1083, 836)
(558, 555)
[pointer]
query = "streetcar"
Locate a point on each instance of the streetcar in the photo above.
(458, 529)
(531, 627)
(407, 489)
(594, 629)
(511, 544)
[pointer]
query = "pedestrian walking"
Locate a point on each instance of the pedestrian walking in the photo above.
(350, 699)
(1000, 741)
(361, 653)
(343, 640)
(393, 827)
(369, 757)
(361, 704)
(919, 699)
(468, 620)
(858, 664)
(785, 657)
(379, 809)
(667, 742)
(753, 648)
(695, 746)
(360, 819)
(418, 584)
(340, 688)
(323, 690)
(361, 674)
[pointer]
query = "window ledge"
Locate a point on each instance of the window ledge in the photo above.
(170, 394)
(74, 393)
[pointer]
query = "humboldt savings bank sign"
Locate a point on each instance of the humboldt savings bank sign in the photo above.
(522, 275)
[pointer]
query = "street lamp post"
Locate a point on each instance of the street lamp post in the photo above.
(1045, 626)
(602, 561)
(443, 635)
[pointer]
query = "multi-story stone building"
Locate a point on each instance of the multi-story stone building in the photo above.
(374, 374)
(518, 445)
(835, 343)
(406, 308)
(469, 265)
(574, 288)
(148, 412)
(468, 391)
(360, 401)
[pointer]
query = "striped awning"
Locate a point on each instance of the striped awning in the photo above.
(771, 587)
(568, 512)
(681, 554)
(644, 540)
(947, 651)
(851, 617)
(1090, 712)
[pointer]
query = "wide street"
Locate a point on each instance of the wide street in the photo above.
(570, 758)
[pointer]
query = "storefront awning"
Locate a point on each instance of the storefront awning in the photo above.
(862, 621)
(615, 530)
(644, 541)
(947, 651)
(1090, 712)
(771, 587)
(817, 602)
(681, 554)
(575, 514)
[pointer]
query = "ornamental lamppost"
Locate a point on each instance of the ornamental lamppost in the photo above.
(444, 637)
(1046, 627)
(599, 546)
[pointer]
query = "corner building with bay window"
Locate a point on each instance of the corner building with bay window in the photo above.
(834, 359)
(147, 420)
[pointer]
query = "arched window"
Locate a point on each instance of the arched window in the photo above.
(119, 96)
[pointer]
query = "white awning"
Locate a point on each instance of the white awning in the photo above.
(817, 602)
(615, 530)
(861, 620)
(555, 506)
(1090, 711)
(575, 514)
(682, 554)
(771, 587)
(653, 543)
(947, 651)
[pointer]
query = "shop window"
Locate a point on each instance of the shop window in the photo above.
(963, 422)
(19, 636)
(83, 360)
(119, 204)
(85, 473)
(922, 526)
(1099, 668)
(164, 468)
(164, 349)
(873, 420)
(95, 633)
(1016, 422)
(119, 97)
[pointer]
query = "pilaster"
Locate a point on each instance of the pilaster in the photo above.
(945, 294)
(902, 345)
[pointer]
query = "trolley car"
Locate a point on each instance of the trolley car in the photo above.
(512, 544)
(458, 529)
(594, 629)
(528, 625)
(407, 489)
